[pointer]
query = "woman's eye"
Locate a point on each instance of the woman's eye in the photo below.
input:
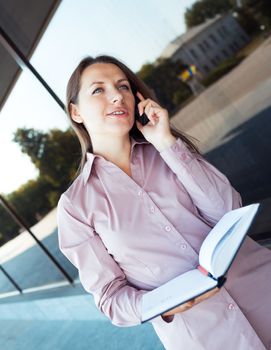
(127, 87)
(96, 90)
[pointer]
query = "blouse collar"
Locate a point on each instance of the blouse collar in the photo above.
(90, 158)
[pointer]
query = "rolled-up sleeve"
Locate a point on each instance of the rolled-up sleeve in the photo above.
(209, 189)
(99, 273)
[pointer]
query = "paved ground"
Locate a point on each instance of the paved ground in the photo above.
(231, 119)
(74, 335)
(245, 78)
(64, 319)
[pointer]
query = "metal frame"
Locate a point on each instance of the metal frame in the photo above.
(24, 64)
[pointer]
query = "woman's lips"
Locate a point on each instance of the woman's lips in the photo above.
(124, 115)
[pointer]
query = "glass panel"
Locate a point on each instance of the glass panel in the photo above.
(230, 111)
(33, 130)
(220, 94)
(6, 286)
(132, 37)
(224, 104)
(23, 26)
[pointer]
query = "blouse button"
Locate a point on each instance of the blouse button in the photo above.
(176, 147)
(183, 246)
(184, 156)
(231, 307)
(167, 228)
(140, 193)
(152, 209)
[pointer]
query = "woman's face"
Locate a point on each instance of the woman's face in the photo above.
(104, 90)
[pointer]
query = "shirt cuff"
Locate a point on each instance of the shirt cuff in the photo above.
(177, 151)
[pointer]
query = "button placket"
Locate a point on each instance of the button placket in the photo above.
(174, 236)
(137, 175)
(230, 304)
(185, 157)
(176, 147)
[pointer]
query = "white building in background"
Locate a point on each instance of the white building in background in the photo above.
(208, 44)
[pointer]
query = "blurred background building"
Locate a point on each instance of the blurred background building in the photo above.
(208, 44)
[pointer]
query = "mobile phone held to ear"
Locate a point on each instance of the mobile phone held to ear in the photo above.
(143, 119)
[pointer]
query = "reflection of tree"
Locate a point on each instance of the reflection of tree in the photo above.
(56, 155)
(8, 227)
(202, 10)
(251, 14)
(30, 200)
(162, 77)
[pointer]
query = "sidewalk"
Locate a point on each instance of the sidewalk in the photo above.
(66, 319)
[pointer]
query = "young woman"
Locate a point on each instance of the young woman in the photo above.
(139, 210)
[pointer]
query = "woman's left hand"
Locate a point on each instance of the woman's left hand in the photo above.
(157, 131)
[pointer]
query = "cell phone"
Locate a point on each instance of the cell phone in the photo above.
(143, 119)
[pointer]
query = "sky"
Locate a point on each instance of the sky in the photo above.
(136, 32)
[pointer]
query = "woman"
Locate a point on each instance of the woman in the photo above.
(139, 210)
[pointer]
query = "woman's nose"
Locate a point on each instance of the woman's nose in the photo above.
(117, 97)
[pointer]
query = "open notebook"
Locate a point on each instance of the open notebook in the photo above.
(216, 255)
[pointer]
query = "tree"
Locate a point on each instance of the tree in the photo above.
(202, 10)
(251, 15)
(31, 201)
(56, 154)
(8, 227)
(261, 11)
(162, 77)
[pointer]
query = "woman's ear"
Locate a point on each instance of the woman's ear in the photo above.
(75, 115)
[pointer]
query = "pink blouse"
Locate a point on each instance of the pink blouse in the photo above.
(127, 235)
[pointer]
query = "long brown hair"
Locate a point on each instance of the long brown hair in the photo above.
(137, 84)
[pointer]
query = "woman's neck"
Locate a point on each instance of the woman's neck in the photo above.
(115, 149)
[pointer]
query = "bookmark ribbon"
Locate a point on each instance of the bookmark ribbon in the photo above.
(220, 280)
(203, 271)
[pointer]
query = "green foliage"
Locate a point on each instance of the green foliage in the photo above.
(180, 96)
(56, 154)
(202, 10)
(2, 240)
(251, 15)
(30, 200)
(8, 227)
(247, 21)
(162, 77)
(222, 69)
(261, 11)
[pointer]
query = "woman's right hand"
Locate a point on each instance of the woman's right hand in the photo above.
(189, 304)
(181, 308)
